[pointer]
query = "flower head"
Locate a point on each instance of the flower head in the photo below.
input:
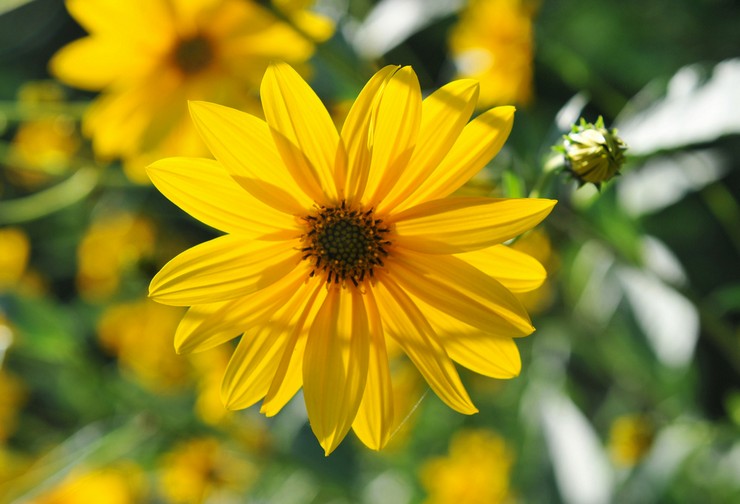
(336, 241)
(493, 42)
(593, 153)
(148, 57)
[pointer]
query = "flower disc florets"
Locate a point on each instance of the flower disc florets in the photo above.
(191, 55)
(344, 243)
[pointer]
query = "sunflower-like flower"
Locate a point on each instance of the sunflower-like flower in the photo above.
(148, 57)
(336, 241)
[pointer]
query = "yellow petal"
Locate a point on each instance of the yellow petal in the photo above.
(204, 189)
(374, 420)
(304, 133)
(356, 132)
(138, 22)
(252, 367)
(479, 351)
(289, 374)
(515, 270)
(223, 268)
(444, 114)
(394, 129)
(454, 287)
(206, 326)
(455, 225)
(94, 63)
(244, 146)
(403, 321)
(335, 365)
(478, 143)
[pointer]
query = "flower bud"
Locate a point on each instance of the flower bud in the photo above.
(593, 153)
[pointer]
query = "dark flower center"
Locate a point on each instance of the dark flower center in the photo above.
(193, 54)
(344, 243)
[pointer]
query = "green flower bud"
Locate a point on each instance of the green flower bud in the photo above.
(593, 153)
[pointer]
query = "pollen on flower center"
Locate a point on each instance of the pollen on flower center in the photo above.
(192, 55)
(344, 243)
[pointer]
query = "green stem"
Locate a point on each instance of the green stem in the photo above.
(542, 186)
(14, 111)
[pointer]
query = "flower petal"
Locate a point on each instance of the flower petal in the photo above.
(444, 114)
(206, 326)
(252, 367)
(517, 271)
(356, 132)
(335, 365)
(478, 143)
(289, 374)
(204, 189)
(454, 287)
(455, 225)
(223, 268)
(479, 351)
(304, 133)
(374, 421)
(403, 321)
(244, 146)
(394, 129)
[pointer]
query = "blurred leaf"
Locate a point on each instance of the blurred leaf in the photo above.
(9, 5)
(692, 111)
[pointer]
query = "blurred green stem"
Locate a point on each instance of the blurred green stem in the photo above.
(13, 111)
(67, 192)
(542, 187)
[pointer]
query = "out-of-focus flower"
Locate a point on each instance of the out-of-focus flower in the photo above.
(15, 247)
(110, 246)
(476, 471)
(335, 241)
(593, 153)
(537, 244)
(493, 43)
(148, 57)
(630, 438)
(120, 484)
(12, 397)
(136, 333)
(204, 470)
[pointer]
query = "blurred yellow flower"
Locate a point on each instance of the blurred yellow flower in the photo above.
(110, 246)
(630, 438)
(15, 247)
(43, 147)
(476, 471)
(536, 243)
(119, 484)
(204, 470)
(493, 43)
(148, 57)
(12, 397)
(335, 241)
(136, 333)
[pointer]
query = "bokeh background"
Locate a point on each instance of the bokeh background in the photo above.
(630, 388)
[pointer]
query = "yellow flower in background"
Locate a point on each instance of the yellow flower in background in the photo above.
(630, 438)
(148, 57)
(111, 245)
(203, 470)
(120, 484)
(135, 333)
(536, 243)
(336, 240)
(493, 43)
(476, 471)
(12, 397)
(15, 247)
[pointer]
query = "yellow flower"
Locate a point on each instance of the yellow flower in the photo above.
(630, 438)
(476, 471)
(149, 57)
(110, 246)
(336, 241)
(199, 469)
(15, 248)
(493, 42)
(132, 332)
(119, 484)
